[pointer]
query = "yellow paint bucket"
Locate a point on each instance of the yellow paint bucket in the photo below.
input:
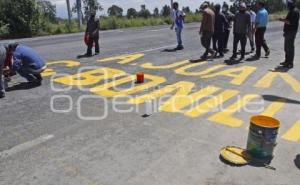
(262, 136)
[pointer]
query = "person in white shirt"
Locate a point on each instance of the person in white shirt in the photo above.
(178, 21)
(252, 28)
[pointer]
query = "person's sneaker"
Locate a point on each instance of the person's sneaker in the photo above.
(255, 57)
(38, 77)
(214, 54)
(284, 63)
(289, 66)
(252, 50)
(242, 57)
(179, 48)
(97, 53)
(203, 57)
(2, 95)
(233, 56)
(221, 55)
(268, 53)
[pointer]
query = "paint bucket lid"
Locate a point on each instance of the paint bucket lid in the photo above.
(265, 121)
(235, 155)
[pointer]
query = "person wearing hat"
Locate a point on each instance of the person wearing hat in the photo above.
(241, 27)
(221, 24)
(26, 62)
(291, 24)
(261, 22)
(229, 16)
(207, 30)
(252, 27)
(178, 21)
(92, 32)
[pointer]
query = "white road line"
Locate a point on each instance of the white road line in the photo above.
(159, 29)
(25, 146)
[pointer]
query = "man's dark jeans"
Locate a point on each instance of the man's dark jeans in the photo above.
(289, 47)
(218, 42)
(260, 40)
(91, 42)
(239, 37)
(226, 38)
(206, 41)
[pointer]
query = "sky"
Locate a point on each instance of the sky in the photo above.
(125, 4)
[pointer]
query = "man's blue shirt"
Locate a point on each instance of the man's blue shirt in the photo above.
(262, 18)
(24, 56)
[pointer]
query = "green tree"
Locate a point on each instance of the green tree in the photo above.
(144, 12)
(166, 11)
(22, 18)
(48, 10)
(88, 6)
(115, 10)
(131, 13)
(271, 5)
(186, 9)
(156, 12)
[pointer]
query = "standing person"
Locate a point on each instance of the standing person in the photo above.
(291, 24)
(92, 32)
(242, 22)
(221, 24)
(261, 22)
(3, 54)
(27, 63)
(252, 27)
(229, 16)
(178, 20)
(207, 30)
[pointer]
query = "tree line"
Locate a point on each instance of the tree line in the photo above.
(27, 18)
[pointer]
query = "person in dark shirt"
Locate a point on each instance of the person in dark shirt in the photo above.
(229, 16)
(242, 22)
(291, 24)
(92, 31)
(221, 24)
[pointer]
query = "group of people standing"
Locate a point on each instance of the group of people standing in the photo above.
(217, 23)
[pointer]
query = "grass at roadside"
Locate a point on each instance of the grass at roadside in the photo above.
(109, 23)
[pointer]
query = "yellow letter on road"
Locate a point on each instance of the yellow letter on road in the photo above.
(123, 59)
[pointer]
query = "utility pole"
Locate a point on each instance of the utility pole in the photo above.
(69, 15)
(79, 16)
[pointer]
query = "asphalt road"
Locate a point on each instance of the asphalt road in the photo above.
(52, 137)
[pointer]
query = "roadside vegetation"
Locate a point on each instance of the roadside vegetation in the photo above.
(28, 18)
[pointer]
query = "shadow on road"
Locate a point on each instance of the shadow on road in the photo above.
(170, 50)
(297, 161)
(23, 86)
(231, 62)
(274, 98)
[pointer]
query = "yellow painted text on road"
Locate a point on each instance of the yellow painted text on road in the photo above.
(211, 103)
(267, 80)
(168, 66)
(239, 74)
(123, 59)
(90, 77)
(225, 117)
(111, 89)
(293, 134)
